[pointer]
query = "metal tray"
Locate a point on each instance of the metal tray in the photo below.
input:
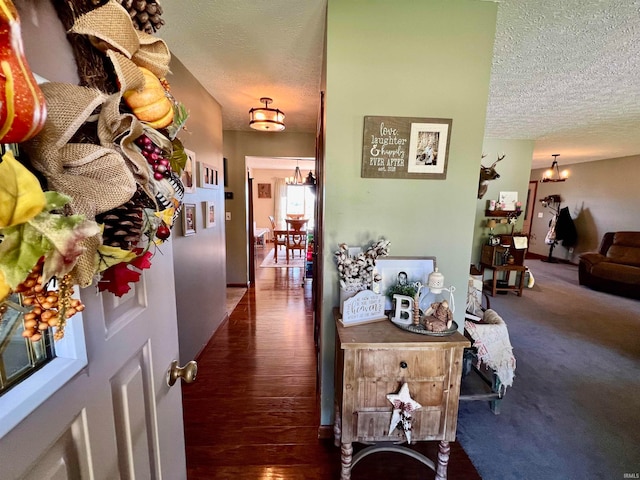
(421, 329)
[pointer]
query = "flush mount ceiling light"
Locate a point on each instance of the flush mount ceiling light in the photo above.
(265, 118)
(553, 174)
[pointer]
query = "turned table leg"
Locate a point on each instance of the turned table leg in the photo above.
(346, 458)
(337, 425)
(443, 460)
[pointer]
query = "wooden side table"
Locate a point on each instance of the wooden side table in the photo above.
(376, 359)
(505, 270)
(492, 259)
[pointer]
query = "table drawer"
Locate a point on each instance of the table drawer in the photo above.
(373, 426)
(396, 364)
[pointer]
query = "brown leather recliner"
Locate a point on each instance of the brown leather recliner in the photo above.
(615, 268)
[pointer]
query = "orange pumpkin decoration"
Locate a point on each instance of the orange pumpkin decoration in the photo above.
(150, 105)
(23, 110)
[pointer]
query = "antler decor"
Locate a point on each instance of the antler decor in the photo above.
(487, 174)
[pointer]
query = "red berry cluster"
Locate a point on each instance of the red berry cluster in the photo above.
(155, 157)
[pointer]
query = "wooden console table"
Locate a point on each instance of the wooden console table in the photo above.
(375, 359)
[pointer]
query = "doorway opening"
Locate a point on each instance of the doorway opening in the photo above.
(281, 213)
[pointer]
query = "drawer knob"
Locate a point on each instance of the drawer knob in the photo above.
(403, 364)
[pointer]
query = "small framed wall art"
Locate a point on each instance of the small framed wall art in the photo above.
(188, 219)
(209, 214)
(207, 176)
(264, 190)
(188, 174)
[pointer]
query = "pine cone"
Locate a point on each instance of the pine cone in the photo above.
(123, 224)
(145, 14)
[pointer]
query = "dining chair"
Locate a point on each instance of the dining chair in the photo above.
(296, 239)
(279, 238)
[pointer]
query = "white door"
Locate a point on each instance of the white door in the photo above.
(117, 418)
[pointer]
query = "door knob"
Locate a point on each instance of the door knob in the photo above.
(188, 372)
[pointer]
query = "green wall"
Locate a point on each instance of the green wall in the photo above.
(514, 172)
(237, 146)
(406, 59)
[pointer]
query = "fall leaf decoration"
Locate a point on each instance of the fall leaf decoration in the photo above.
(178, 159)
(21, 197)
(108, 256)
(39, 237)
(54, 236)
(116, 279)
(5, 289)
(142, 261)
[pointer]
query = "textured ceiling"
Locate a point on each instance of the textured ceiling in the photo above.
(242, 50)
(565, 73)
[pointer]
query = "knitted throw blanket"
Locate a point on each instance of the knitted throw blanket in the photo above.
(491, 339)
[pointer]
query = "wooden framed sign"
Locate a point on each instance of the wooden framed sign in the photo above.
(405, 147)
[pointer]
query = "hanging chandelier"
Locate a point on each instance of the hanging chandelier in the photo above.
(265, 118)
(297, 177)
(554, 174)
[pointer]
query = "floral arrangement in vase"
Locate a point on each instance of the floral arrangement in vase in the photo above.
(357, 272)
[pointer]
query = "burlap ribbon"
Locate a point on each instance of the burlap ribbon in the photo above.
(110, 29)
(96, 177)
(99, 177)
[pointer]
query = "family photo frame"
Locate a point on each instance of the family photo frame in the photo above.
(188, 219)
(428, 148)
(393, 270)
(209, 214)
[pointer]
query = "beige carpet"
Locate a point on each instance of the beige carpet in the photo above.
(296, 261)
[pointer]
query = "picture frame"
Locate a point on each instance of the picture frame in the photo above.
(207, 175)
(188, 176)
(264, 190)
(429, 149)
(209, 214)
(189, 219)
(508, 200)
(417, 269)
(405, 147)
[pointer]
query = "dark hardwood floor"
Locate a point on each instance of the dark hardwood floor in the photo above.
(253, 411)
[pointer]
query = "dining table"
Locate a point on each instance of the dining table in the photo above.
(294, 230)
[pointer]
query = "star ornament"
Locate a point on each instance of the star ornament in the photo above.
(403, 407)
